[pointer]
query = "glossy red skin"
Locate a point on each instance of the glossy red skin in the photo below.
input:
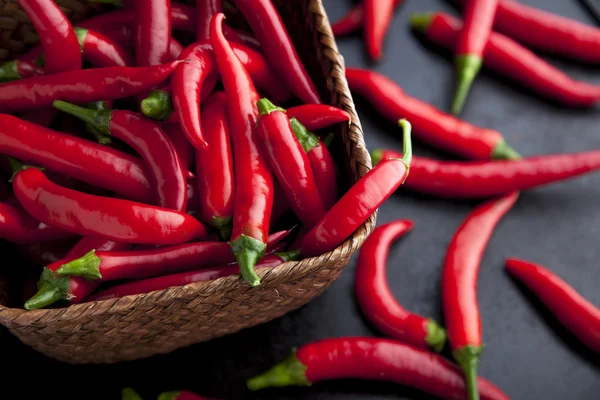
(206, 10)
(508, 58)
(479, 20)
(17, 226)
(391, 361)
(317, 116)
(114, 219)
(156, 149)
(576, 313)
(153, 31)
(461, 268)
(214, 166)
(278, 48)
(325, 173)
(27, 70)
(482, 179)
(377, 18)
(101, 51)
(429, 124)
(61, 48)
(359, 202)
(85, 86)
(290, 165)
(253, 179)
(352, 21)
(78, 158)
(182, 146)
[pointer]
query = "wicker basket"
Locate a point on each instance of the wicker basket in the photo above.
(139, 326)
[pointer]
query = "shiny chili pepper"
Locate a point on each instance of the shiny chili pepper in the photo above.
(317, 116)
(253, 179)
(206, 10)
(214, 167)
(83, 86)
(481, 179)
(17, 69)
(182, 146)
(153, 31)
(459, 285)
(275, 42)
(74, 157)
(576, 313)
(102, 51)
(470, 45)
(508, 58)
(373, 359)
(149, 141)
(363, 198)
(378, 16)
(377, 300)
(17, 226)
(434, 127)
(352, 21)
(61, 48)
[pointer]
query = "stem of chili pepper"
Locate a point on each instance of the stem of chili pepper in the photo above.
(317, 116)
(17, 226)
(102, 51)
(352, 21)
(16, 69)
(92, 130)
(576, 313)
(378, 16)
(157, 105)
(372, 359)
(459, 284)
(153, 31)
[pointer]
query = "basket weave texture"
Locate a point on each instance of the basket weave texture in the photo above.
(139, 326)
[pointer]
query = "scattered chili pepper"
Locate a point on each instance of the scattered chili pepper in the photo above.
(374, 359)
(317, 116)
(153, 31)
(434, 127)
(101, 51)
(253, 179)
(17, 226)
(17, 69)
(352, 21)
(576, 313)
(508, 58)
(275, 42)
(182, 146)
(459, 285)
(377, 300)
(377, 18)
(481, 179)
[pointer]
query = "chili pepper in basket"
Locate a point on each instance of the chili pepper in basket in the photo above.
(17, 69)
(459, 285)
(289, 162)
(508, 58)
(434, 127)
(17, 226)
(378, 16)
(149, 140)
(359, 202)
(576, 313)
(101, 51)
(352, 21)
(83, 86)
(377, 300)
(373, 359)
(317, 116)
(153, 31)
(275, 42)
(253, 179)
(481, 179)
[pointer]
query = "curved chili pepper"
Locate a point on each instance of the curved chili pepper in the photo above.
(508, 58)
(148, 140)
(289, 163)
(61, 48)
(576, 313)
(377, 300)
(214, 167)
(83, 86)
(317, 116)
(101, 51)
(253, 179)
(18, 69)
(378, 16)
(275, 42)
(481, 179)
(352, 21)
(17, 226)
(153, 31)
(359, 202)
(459, 285)
(182, 146)
(434, 127)
(372, 359)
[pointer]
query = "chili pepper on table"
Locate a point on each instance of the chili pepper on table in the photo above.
(17, 226)
(373, 359)
(147, 139)
(101, 51)
(153, 31)
(253, 179)
(459, 285)
(352, 21)
(317, 116)
(434, 127)
(377, 18)
(377, 300)
(576, 313)
(17, 69)
(508, 58)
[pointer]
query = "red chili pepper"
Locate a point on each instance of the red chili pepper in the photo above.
(508, 58)
(17, 69)
(373, 359)
(153, 31)
(352, 21)
(459, 285)
(434, 127)
(206, 10)
(363, 198)
(74, 157)
(481, 179)
(214, 167)
(378, 16)
(85, 86)
(61, 48)
(149, 140)
(377, 300)
(576, 313)
(182, 146)
(253, 179)
(317, 116)
(102, 51)
(89, 243)
(275, 42)
(17, 226)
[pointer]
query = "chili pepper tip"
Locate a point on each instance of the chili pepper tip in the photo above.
(158, 105)
(290, 372)
(421, 21)
(436, 336)
(265, 107)
(503, 151)
(9, 72)
(86, 266)
(224, 226)
(468, 360)
(307, 140)
(50, 290)
(130, 394)
(248, 251)
(467, 68)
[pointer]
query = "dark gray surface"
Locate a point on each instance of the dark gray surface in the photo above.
(527, 354)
